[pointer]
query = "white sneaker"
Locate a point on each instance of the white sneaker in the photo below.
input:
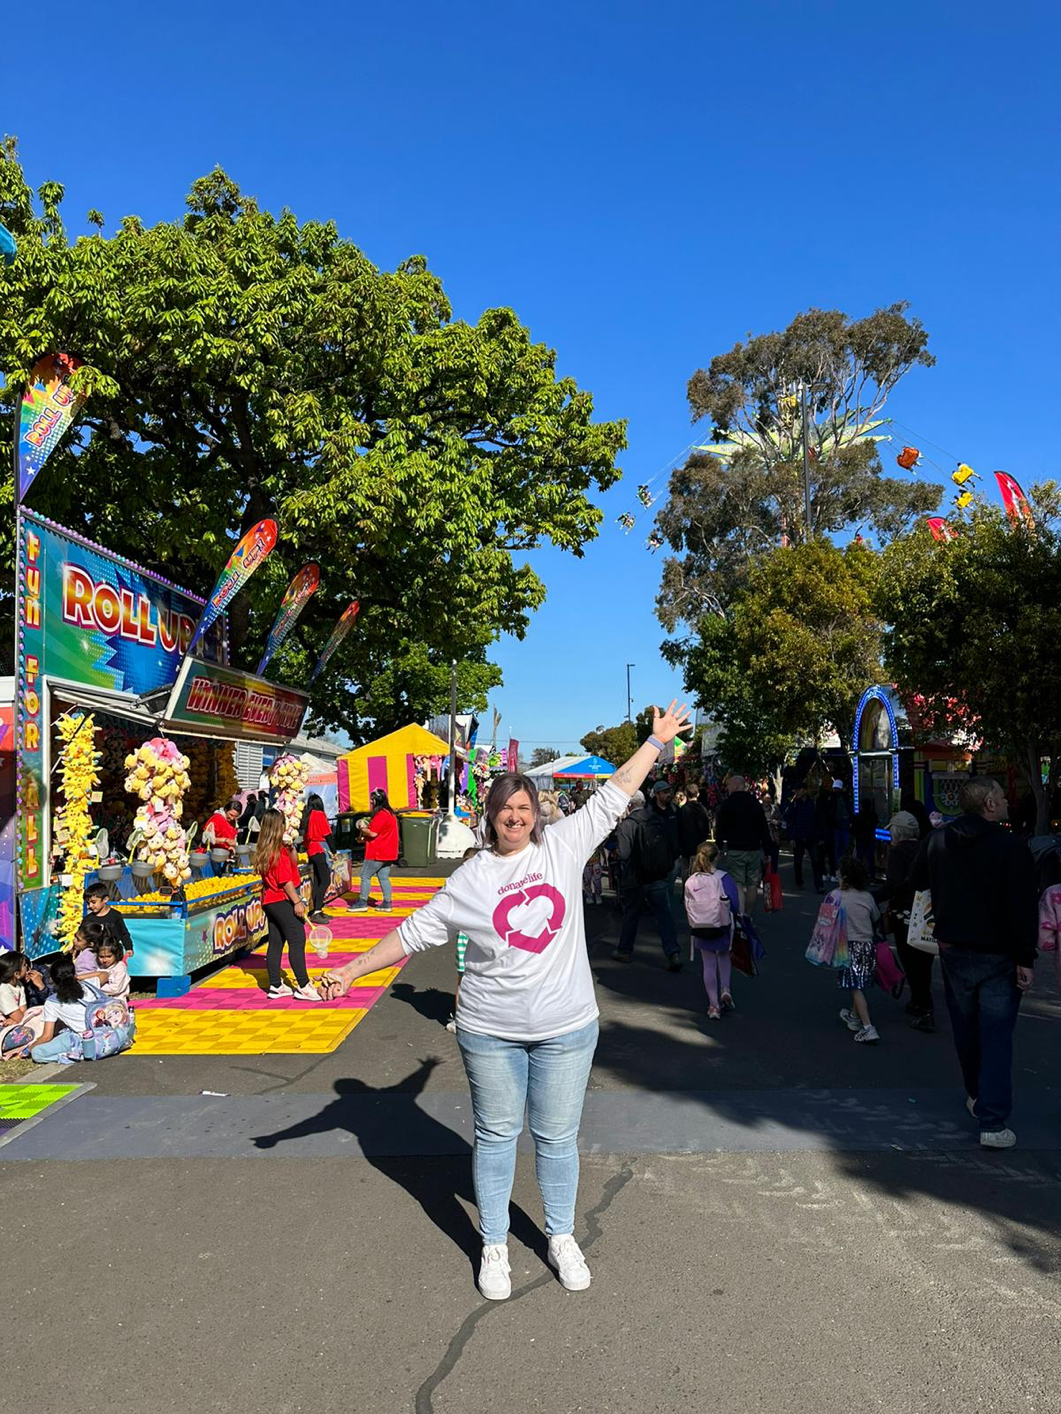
(308, 993)
(997, 1139)
(850, 1019)
(868, 1036)
(276, 994)
(566, 1256)
(495, 1283)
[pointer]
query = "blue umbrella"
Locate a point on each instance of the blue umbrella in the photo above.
(593, 768)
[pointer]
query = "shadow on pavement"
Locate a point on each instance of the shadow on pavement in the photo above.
(436, 1172)
(430, 1002)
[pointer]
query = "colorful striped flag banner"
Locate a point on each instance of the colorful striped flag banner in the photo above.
(251, 551)
(299, 592)
(49, 406)
(339, 632)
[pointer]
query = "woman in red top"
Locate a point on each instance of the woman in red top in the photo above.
(221, 828)
(380, 834)
(284, 910)
(316, 832)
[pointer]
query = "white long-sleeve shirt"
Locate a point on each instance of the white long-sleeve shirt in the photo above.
(526, 970)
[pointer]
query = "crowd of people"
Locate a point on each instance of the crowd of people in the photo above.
(525, 1014)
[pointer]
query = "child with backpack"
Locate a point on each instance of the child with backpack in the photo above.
(861, 916)
(711, 905)
(63, 1014)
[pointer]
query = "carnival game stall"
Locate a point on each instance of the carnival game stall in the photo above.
(403, 763)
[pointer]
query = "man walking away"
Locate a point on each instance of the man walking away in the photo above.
(648, 854)
(802, 825)
(984, 904)
(742, 832)
(694, 826)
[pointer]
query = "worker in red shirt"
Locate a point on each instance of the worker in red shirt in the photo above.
(317, 832)
(221, 828)
(380, 833)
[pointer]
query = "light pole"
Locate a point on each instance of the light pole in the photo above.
(629, 699)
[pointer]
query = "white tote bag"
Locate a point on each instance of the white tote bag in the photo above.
(922, 934)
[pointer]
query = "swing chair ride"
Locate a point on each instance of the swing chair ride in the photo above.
(780, 438)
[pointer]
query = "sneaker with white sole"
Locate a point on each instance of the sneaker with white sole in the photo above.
(868, 1036)
(495, 1283)
(308, 993)
(997, 1139)
(566, 1256)
(276, 994)
(850, 1019)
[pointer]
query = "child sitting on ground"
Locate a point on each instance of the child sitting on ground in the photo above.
(112, 975)
(13, 969)
(862, 913)
(64, 1013)
(90, 933)
(711, 905)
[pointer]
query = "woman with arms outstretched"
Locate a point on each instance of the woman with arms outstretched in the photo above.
(527, 1013)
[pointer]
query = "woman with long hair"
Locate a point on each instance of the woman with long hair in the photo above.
(284, 910)
(317, 832)
(380, 833)
(63, 1014)
(527, 1012)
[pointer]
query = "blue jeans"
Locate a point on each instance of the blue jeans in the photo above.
(382, 873)
(53, 1050)
(548, 1078)
(983, 1000)
(658, 897)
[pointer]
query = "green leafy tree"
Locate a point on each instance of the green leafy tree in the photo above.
(643, 724)
(614, 744)
(540, 755)
(799, 646)
(974, 634)
(742, 495)
(243, 365)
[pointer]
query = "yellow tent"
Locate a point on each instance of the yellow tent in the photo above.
(388, 764)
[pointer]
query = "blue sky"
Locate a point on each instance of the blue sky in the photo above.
(644, 185)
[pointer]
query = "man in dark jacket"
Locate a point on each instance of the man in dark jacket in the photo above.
(648, 853)
(985, 913)
(742, 833)
(694, 825)
(801, 823)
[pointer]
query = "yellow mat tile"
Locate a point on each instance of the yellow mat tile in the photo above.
(245, 1033)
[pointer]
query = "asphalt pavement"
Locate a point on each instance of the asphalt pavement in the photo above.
(776, 1218)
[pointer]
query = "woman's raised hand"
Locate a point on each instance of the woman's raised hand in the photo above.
(666, 725)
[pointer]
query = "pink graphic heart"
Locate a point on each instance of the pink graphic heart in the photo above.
(517, 939)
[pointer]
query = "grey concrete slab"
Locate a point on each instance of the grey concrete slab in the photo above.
(355, 1124)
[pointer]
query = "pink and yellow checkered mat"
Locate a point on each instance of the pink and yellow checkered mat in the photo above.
(227, 1013)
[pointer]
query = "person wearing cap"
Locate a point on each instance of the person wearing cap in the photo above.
(649, 848)
(897, 892)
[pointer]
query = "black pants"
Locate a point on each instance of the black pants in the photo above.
(918, 968)
(810, 847)
(285, 926)
(322, 877)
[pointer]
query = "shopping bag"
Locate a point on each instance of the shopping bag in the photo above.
(742, 951)
(921, 933)
(773, 897)
(889, 975)
(829, 939)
